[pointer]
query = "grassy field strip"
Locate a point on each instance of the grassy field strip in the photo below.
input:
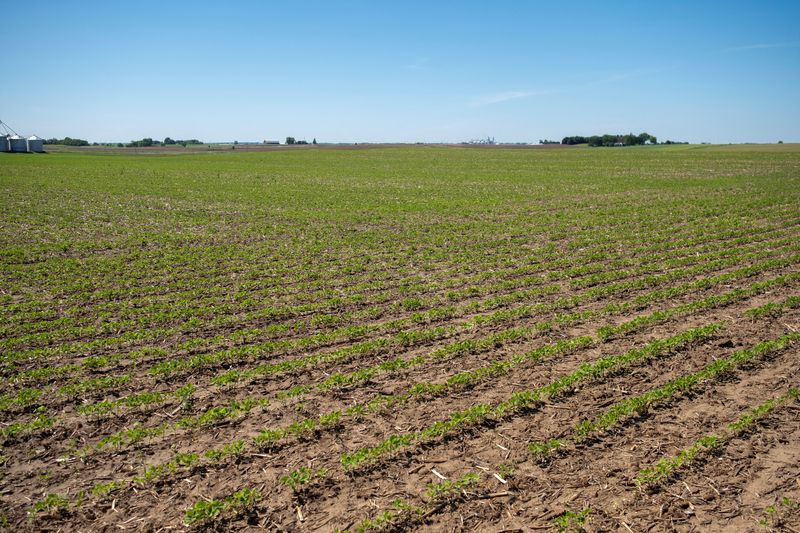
(250, 293)
(635, 405)
(200, 303)
(669, 466)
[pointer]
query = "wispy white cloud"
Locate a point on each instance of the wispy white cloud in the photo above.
(622, 76)
(506, 96)
(762, 46)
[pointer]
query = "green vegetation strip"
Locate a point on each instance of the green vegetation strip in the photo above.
(461, 347)
(774, 309)
(666, 467)
(270, 437)
(522, 400)
(638, 404)
(28, 396)
(710, 302)
(191, 306)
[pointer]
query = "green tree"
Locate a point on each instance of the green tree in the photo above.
(290, 140)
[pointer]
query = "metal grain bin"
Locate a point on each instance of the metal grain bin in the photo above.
(35, 144)
(17, 144)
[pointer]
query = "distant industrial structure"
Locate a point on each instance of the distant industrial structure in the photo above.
(11, 141)
(487, 140)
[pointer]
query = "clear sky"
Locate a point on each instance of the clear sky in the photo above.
(342, 71)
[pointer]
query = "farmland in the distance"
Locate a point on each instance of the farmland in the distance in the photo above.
(417, 338)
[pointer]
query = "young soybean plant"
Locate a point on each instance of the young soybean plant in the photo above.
(439, 493)
(203, 512)
(302, 478)
(400, 517)
(572, 521)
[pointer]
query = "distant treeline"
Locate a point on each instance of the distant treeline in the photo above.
(67, 141)
(147, 141)
(292, 140)
(611, 140)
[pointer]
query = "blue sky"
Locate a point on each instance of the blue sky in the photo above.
(402, 71)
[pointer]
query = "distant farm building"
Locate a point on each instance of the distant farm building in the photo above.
(15, 143)
(10, 141)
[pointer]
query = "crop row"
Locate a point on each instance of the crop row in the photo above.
(461, 379)
(214, 414)
(339, 380)
(126, 337)
(522, 401)
(219, 263)
(518, 402)
(669, 466)
(636, 405)
(193, 310)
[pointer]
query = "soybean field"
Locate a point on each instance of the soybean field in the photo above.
(401, 338)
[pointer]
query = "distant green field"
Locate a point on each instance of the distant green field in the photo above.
(295, 329)
(86, 201)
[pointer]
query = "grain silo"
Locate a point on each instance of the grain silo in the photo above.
(17, 144)
(3, 143)
(35, 144)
